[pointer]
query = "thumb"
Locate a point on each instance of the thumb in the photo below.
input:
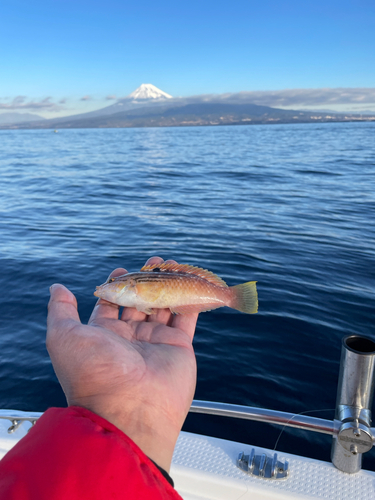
(62, 310)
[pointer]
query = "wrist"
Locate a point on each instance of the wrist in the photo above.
(157, 441)
(155, 433)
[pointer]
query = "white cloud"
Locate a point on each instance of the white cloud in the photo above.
(296, 97)
(20, 102)
(86, 98)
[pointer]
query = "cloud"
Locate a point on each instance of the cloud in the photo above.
(86, 98)
(325, 98)
(110, 97)
(20, 102)
(296, 97)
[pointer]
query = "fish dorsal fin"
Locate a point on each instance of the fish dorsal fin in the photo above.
(186, 269)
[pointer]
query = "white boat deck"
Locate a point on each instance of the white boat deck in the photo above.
(205, 468)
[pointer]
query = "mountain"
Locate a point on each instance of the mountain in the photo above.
(145, 94)
(175, 113)
(149, 106)
(367, 112)
(148, 91)
(9, 118)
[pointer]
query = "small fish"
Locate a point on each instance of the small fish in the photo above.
(179, 287)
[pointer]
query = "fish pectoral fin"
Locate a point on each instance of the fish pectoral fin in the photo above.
(194, 308)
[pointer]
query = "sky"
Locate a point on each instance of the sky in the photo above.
(62, 57)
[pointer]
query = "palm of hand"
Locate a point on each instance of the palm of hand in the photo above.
(138, 367)
(121, 363)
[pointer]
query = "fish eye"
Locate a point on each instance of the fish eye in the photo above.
(110, 280)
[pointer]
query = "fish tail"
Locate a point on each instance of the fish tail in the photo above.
(245, 297)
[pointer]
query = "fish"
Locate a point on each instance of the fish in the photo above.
(182, 288)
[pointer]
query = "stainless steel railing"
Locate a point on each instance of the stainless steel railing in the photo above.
(268, 416)
(351, 431)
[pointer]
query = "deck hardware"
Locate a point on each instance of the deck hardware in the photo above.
(355, 438)
(263, 465)
(33, 422)
(14, 426)
(354, 401)
(18, 420)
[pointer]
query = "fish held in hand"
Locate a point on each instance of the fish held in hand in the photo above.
(179, 287)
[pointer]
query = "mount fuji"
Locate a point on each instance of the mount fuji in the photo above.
(149, 106)
(145, 95)
(148, 91)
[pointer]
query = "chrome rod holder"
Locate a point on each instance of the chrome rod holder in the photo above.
(354, 401)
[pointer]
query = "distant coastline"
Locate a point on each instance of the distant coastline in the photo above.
(149, 106)
(190, 115)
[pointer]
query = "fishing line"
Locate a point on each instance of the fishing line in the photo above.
(294, 416)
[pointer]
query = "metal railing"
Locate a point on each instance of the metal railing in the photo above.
(351, 431)
(268, 416)
(18, 417)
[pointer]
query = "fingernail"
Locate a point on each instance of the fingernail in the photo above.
(153, 258)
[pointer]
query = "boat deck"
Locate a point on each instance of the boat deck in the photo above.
(206, 468)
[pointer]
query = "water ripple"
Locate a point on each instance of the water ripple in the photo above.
(291, 206)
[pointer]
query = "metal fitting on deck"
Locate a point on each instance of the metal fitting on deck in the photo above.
(354, 400)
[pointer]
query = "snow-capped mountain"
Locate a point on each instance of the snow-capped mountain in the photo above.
(148, 91)
(145, 95)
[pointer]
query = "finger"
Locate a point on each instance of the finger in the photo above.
(158, 260)
(186, 322)
(154, 260)
(132, 314)
(104, 309)
(161, 316)
(62, 310)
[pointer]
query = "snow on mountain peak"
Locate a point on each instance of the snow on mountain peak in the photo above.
(148, 91)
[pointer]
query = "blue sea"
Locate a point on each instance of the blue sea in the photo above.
(290, 206)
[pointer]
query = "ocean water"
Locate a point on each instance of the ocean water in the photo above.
(291, 206)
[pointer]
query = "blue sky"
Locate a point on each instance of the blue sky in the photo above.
(62, 57)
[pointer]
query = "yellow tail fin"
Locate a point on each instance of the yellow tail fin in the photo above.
(245, 297)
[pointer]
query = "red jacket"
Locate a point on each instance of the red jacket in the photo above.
(73, 454)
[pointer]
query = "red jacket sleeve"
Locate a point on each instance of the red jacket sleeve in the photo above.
(72, 453)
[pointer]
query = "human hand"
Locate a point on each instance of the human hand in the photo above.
(138, 372)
